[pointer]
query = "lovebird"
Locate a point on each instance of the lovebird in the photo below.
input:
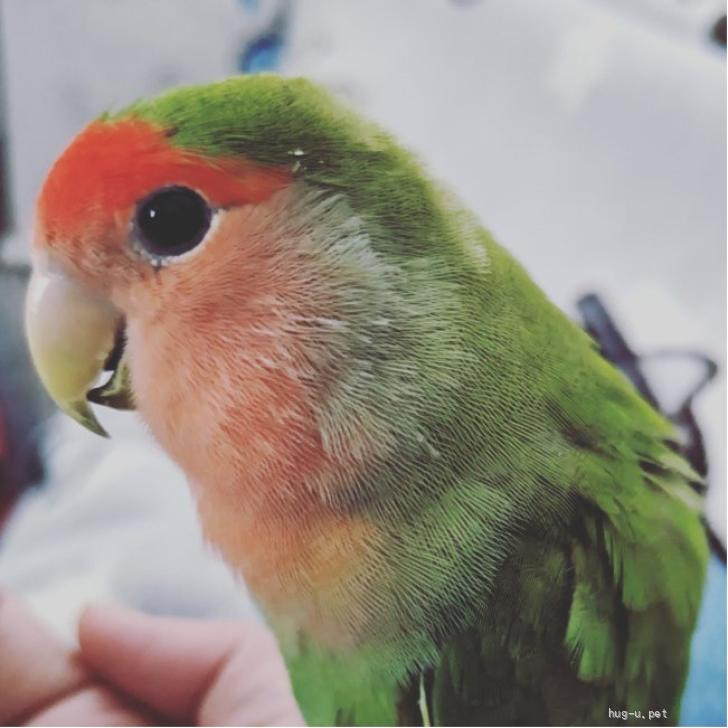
(451, 509)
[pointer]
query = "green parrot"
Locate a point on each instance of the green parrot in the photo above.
(451, 508)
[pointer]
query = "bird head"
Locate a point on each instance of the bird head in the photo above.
(247, 257)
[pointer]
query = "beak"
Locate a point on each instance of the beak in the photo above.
(72, 335)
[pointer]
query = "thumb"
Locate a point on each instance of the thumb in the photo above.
(206, 672)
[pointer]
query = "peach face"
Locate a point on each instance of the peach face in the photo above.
(121, 202)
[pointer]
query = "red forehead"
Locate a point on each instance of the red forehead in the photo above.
(111, 165)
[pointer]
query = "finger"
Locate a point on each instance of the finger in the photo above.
(35, 668)
(92, 706)
(252, 687)
(174, 665)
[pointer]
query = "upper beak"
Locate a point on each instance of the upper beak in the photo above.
(71, 334)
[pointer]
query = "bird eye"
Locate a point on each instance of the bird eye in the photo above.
(171, 221)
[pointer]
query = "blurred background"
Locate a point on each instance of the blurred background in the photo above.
(588, 135)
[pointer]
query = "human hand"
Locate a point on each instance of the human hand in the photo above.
(133, 669)
(43, 682)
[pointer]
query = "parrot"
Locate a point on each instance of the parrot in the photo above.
(450, 508)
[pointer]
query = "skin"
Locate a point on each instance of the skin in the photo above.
(133, 669)
(450, 507)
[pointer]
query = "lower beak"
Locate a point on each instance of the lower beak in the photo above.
(71, 333)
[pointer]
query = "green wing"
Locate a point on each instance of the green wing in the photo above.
(575, 628)
(593, 607)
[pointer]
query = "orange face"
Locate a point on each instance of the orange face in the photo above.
(119, 205)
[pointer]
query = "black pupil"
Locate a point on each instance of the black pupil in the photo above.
(172, 221)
